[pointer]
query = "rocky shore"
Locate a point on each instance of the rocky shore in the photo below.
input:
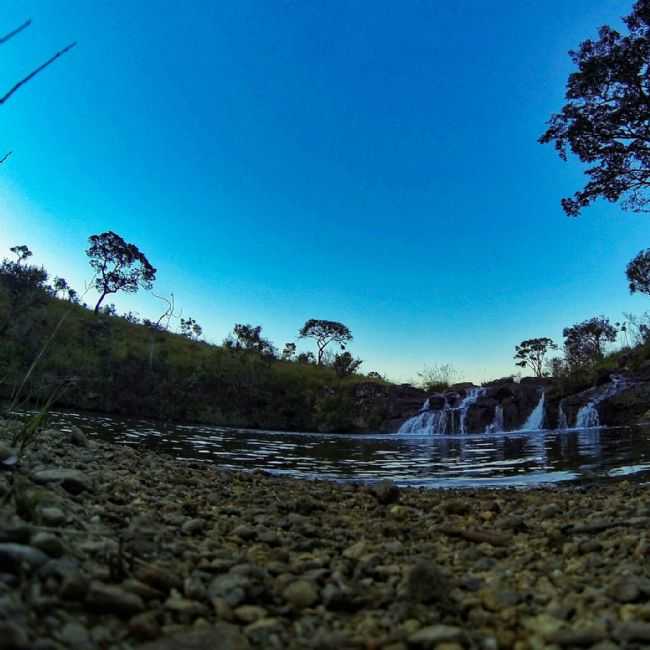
(113, 547)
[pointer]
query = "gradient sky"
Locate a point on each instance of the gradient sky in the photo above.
(369, 162)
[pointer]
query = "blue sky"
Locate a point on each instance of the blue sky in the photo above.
(369, 162)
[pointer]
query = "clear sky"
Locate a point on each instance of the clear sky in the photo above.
(373, 162)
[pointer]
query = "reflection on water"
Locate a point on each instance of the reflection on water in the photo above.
(499, 459)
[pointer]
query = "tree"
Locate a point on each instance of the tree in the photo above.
(60, 285)
(345, 364)
(21, 252)
(531, 353)
(289, 351)
(638, 273)
(31, 75)
(307, 358)
(438, 377)
(325, 332)
(191, 329)
(584, 342)
(248, 337)
(119, 266)
(605, 119)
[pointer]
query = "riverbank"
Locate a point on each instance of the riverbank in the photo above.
(106, 546)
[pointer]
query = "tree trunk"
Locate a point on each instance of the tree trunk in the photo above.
(99, 302)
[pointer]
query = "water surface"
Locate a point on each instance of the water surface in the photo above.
(473, 460)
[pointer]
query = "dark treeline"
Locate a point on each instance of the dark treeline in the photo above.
(98, 360)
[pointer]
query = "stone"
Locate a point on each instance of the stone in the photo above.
(106, 598)
(13, 636)
(624, 590)
(632, 631)
(193, 526)
(48, 543)
(15, 556)
(144, 627)
(426, 583)
(8, 457)
(231, 587)
(386, 492)
(77, 437)
(433, 634)
(72, 480)
(74, 635)
(456, 507)
(52, 516)
(221, 636)
(249, 613)
(159, 577)
(301, 594)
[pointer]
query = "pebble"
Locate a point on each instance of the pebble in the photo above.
(221, 636)
(15, 556)
(72, 480)
(48, 543)
(107, 598)
(301, 594)
(52, 516)
(435, 634)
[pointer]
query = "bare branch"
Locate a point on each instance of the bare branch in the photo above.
(4, 158)
(32, 74)
(6, 37)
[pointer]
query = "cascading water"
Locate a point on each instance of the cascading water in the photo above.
(497, 423)
(588, 416)
(448, 420)
(562, 422)
(535, 420)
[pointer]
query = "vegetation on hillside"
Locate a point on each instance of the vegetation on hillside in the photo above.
(122, 365)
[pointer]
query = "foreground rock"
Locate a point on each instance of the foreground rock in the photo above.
(115, 548)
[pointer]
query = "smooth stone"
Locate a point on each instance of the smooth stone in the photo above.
(48, 543)
(386, 492)
(145, 627)
(72, 480)
(435, 634)
(52, 516)
(193, 526)
(13, 637)
(301, 594)
(221, 636)
(74, 635)
(14, 556)
(426, 583)
(113, 599)
(77, 437)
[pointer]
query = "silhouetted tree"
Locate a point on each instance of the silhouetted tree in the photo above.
(306, 358)
(21, 252)
(190, 328)
(531, 353)
(638, 273)
(325, 332)
(584, 342)
(119, 266)
(605, 120)
(345, 364)
(247, 337)
(289, 351)
(60, 285)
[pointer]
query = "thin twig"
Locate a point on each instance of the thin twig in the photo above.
(5, 157)
(32, 74)
(6, 37)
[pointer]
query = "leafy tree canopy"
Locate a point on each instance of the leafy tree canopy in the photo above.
(605, 119)
(531, 353)
(584, 342)
(119, 266)
(325, 332)
(638, 273)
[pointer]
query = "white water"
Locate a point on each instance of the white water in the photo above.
(535, 420)
(450, 419)
(588, 416)
(497, 423)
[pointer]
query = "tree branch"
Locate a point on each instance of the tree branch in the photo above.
(4, 158)
(6, 37)
(32, 74)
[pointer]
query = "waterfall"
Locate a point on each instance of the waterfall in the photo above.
(562, 422)
(587, 416)
(448, 420)
(535, 420)
(497, 423)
